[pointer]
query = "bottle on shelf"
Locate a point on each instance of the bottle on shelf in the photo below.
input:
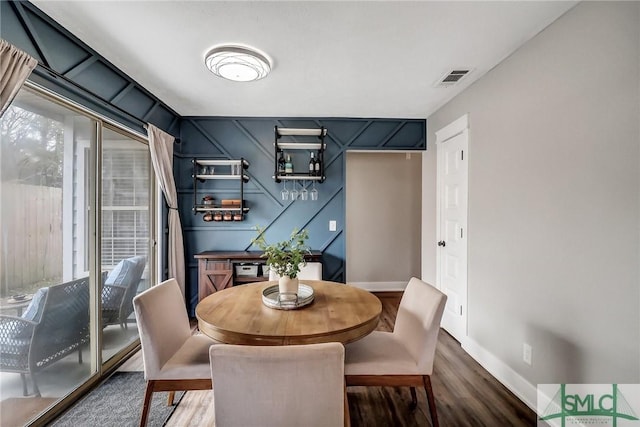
(312, 165)
(288, 166)
(281, 164)
(317, 166)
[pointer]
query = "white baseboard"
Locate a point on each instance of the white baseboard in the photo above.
(519, 386)
(380, 286)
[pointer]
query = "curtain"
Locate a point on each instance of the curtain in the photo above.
(161, 146)
(15, 67)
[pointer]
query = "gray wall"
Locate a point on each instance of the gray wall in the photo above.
(383, 188)
(554, 191)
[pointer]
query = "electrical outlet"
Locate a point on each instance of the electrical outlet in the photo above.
(333, 226)
(526, 353)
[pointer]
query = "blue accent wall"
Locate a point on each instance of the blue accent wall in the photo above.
(252, 139)
(89, 79)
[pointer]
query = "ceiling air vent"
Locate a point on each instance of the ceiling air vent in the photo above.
(452, 77)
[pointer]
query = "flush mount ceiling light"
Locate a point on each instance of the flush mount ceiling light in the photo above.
(237, 63)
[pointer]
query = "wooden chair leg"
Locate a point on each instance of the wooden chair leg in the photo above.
(430, 400)
(414, 399)
(347, 418)
(146, 404)
(170, 398)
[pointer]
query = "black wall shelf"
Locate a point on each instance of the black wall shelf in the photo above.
(307, 144)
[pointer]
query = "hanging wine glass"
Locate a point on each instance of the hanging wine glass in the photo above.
(314, 192)
(284, 193)
(294, 192)
(304, 193)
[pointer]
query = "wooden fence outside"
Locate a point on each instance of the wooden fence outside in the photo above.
(31, 236)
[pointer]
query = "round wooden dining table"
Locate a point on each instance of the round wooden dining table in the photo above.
(338, 313)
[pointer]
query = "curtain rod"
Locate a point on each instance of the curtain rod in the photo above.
(67, 80)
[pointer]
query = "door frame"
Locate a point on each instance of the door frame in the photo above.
(443, 135)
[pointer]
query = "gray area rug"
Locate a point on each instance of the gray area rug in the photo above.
(118, 402)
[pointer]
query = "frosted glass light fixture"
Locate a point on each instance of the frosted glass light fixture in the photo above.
(237, 63)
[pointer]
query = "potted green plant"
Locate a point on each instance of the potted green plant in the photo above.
(285, 258)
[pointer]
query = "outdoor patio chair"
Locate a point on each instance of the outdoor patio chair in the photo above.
(119, 289)
(55, 324)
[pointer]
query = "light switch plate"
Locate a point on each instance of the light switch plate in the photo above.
(333, 225)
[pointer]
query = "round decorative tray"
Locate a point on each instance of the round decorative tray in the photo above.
(271, 297)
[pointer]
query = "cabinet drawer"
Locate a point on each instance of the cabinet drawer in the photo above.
(214, 265)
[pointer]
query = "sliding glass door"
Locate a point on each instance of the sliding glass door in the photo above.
(76, 227)
(46, 348)
(126, 227)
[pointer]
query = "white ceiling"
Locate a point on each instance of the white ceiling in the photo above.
(330, 59)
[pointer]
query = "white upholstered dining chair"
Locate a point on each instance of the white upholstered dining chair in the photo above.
(310, 271)
(279, 386)
(174, 359)
(405, 356)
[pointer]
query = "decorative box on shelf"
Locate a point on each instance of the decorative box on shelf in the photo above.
(247, 270)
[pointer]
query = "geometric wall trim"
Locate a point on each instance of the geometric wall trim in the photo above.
(252, 138)
(70, 68)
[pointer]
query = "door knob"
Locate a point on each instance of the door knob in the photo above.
(442, 243)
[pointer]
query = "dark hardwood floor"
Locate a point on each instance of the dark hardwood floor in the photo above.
(466, 394)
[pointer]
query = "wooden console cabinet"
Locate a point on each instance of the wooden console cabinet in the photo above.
(216, 269)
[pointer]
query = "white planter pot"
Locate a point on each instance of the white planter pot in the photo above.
(288, 288)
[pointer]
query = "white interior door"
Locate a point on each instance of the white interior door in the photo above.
(452, 144)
